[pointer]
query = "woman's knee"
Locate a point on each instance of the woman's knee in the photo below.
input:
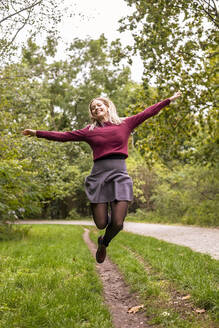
(101, 225)
(118, 225)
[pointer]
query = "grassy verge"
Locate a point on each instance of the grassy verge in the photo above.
(48, 279)
(174, 282)
(149, 217)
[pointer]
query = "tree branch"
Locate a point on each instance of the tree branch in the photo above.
(14, 37)
(208, 3)
(213, 54)
(12, 5)
(203, 194)
(210, 11)
(14, 77)
(18, 12)
(215, 7)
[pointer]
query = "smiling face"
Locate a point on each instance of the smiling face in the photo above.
(99, 110)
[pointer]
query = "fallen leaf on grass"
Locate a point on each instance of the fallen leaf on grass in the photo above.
(135, 309)
(200, 310)
(187, 297)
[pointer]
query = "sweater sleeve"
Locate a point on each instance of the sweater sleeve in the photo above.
(77, 135)
(135, 120)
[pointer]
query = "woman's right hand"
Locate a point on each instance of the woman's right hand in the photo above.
(29, 132)
(176, 95)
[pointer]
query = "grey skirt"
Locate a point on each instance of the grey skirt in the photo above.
(109, 181)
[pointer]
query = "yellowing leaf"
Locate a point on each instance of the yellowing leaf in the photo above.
(187, 297)
(200, 310)
(135, 309)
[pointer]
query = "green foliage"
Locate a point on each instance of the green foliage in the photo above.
(144, 182)
(186, 194)
(178, 47)
(30, 18)
(19, 194)
(100, 71)
(38, 177)
(42, 178)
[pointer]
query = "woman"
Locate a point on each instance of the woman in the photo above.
(109, 183)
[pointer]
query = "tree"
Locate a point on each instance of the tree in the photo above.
(29, 18)
(176, 49)
(100, 71)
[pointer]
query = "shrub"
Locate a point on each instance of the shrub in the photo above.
(13, 232)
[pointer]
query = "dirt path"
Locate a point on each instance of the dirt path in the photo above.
(204, 240)
(116, 293)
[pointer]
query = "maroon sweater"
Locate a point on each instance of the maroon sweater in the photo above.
(109, 138)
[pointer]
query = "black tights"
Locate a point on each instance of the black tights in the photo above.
(112, 224)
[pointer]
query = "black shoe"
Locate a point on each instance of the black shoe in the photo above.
(101, 251)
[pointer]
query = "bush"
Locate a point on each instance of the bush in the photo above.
(74, 215)
(186, 194)
(13, 232)
(19, 192)
(205, 214)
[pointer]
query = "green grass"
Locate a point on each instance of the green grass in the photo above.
(153, 217)
(48, 279)
(13, 232)
(162, 273)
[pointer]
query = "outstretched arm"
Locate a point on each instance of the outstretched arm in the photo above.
(135, 120)
(77, 135)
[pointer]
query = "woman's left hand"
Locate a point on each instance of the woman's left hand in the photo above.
(176, 95)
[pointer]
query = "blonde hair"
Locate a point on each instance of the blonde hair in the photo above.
(112, 113)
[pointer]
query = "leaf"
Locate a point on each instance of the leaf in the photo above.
(135, 309)
(200, 310)
(187, 297)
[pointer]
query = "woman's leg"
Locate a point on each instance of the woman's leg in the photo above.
(101, 218)
(118, 213)
(100, 214)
